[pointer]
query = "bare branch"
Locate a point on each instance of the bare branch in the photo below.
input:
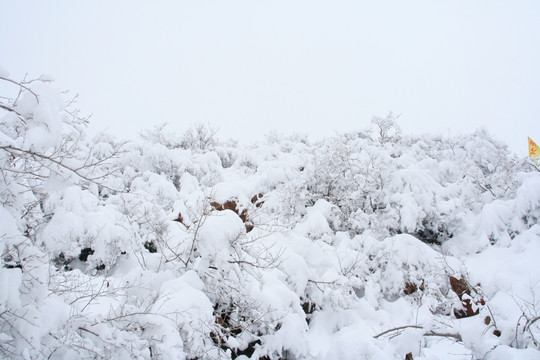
(397, 329)
(530, 322)
(455, 336)
(19, 115)
(448, 335)
(21, 85)
(15, 151)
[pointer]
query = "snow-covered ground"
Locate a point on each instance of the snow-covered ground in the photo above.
(367, 245)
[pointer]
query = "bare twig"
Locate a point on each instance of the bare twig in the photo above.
(18, 152)
(21, 85)
(449, 335)
(19, 115)
(455, 336)
(88, 331)
(397, 329)
(530, 322)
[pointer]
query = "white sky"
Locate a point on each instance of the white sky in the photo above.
(313, 67)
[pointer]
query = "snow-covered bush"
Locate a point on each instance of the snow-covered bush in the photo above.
(370, 244)
(50, 176)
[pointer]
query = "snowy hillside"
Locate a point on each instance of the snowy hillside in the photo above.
(367, 245)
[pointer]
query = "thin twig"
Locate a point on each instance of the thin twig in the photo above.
(88, 331)
(396, 329)
(19, 115)
(530, 322)
(21, 85)
(450, 335)
(429, 333)
(77, 171)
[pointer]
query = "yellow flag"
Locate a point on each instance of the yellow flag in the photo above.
(534, 151)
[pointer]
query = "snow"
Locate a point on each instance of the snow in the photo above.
(44, 129)
(315, 222)
(506, 352)
(217, 234)
(10, 281)
(340, 249)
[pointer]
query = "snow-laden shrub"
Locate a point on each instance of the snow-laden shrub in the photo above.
(370, 245)
(49, 176)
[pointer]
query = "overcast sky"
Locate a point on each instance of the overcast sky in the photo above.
(312, 67)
